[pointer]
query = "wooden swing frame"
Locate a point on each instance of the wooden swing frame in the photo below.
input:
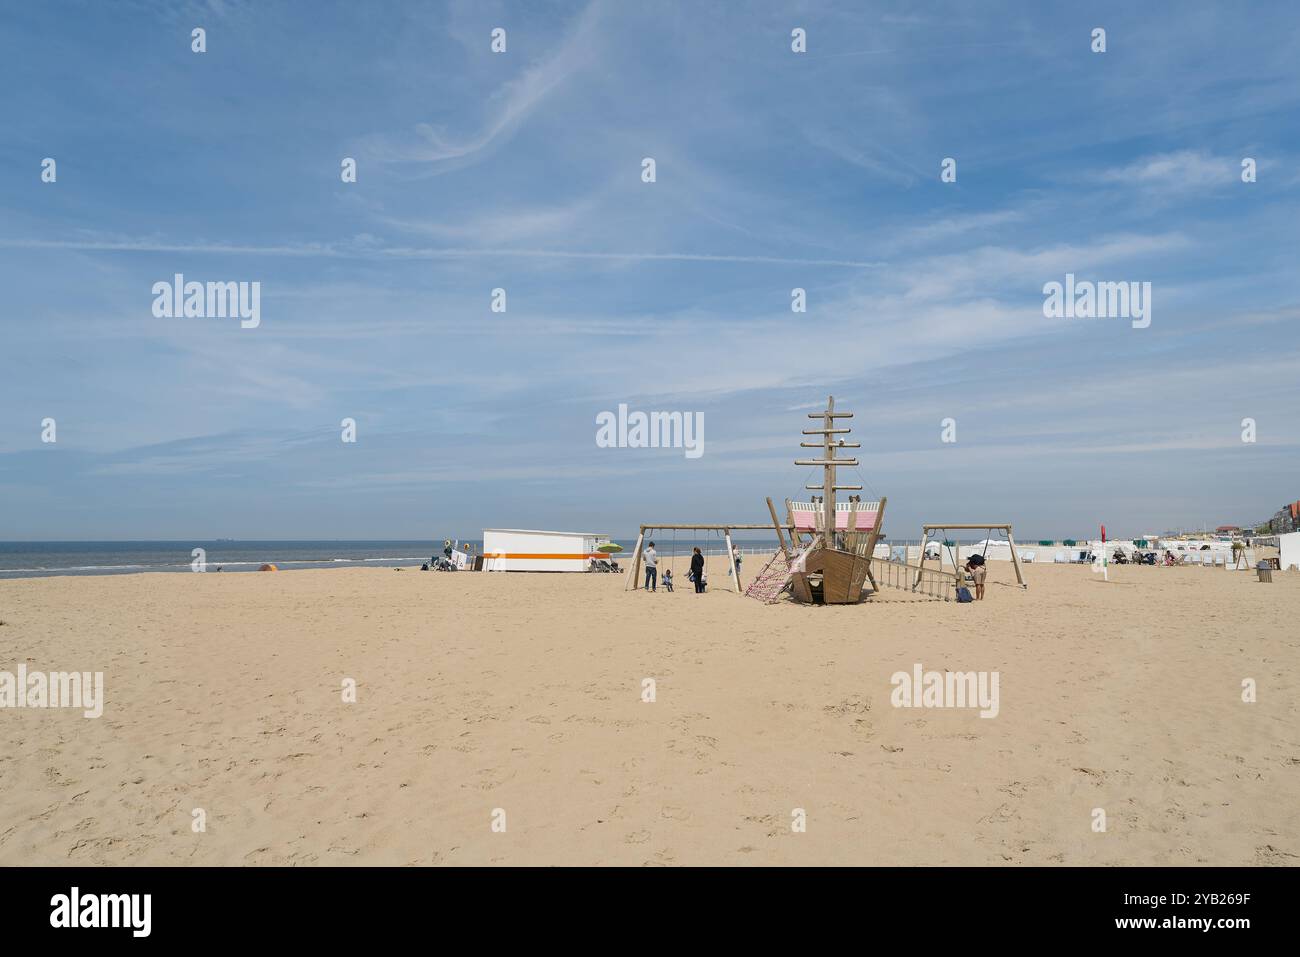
(630, 583)
(956, 553)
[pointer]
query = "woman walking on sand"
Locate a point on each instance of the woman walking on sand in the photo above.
(697, 570)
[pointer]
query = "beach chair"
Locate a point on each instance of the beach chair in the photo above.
(1028, 556)
(1220, 560)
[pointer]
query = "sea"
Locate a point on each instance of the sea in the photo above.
(42, 559)
(38, 559)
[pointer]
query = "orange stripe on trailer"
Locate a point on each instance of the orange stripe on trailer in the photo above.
(540, 556)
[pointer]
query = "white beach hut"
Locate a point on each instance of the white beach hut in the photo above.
(1288, 548)
(532, 550)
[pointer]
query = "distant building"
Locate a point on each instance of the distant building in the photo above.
(1286, 520)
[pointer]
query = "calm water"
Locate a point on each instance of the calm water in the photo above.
(32, 559)
(37, 559)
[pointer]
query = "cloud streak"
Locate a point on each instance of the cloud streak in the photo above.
(440, 151)
(346, 251)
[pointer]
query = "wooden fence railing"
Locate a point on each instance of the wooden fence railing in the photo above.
(892, 574)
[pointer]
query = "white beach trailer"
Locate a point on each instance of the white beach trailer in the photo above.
(1288, 547)
(531, 550)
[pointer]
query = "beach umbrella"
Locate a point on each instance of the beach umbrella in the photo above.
(609, 548)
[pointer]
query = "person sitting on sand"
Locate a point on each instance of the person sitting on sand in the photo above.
(697, 570)
(668, 579)
(978, 572)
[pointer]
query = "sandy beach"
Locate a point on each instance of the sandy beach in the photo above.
(519, 692)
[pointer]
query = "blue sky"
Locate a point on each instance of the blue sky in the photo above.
(522, 171)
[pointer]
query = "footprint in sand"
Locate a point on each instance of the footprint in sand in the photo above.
(1002, 815)
(853, 704)
(1267, 854)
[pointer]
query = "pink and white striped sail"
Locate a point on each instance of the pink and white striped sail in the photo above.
(808, 516)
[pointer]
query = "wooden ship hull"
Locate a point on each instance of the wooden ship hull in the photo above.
(831, 576)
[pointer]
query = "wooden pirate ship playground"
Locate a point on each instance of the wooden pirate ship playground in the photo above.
(835, 564)
(826, 548)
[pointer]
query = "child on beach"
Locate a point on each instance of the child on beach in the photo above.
(668, 579)
(979, 573)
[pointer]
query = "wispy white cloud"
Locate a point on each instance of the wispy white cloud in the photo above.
(354, 251)
(952, 227)
(504, 225)
(439, 150)
(868, 154)
(1181, 170)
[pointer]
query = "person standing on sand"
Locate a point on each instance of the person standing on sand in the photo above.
(697, 570)
(651, 568)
